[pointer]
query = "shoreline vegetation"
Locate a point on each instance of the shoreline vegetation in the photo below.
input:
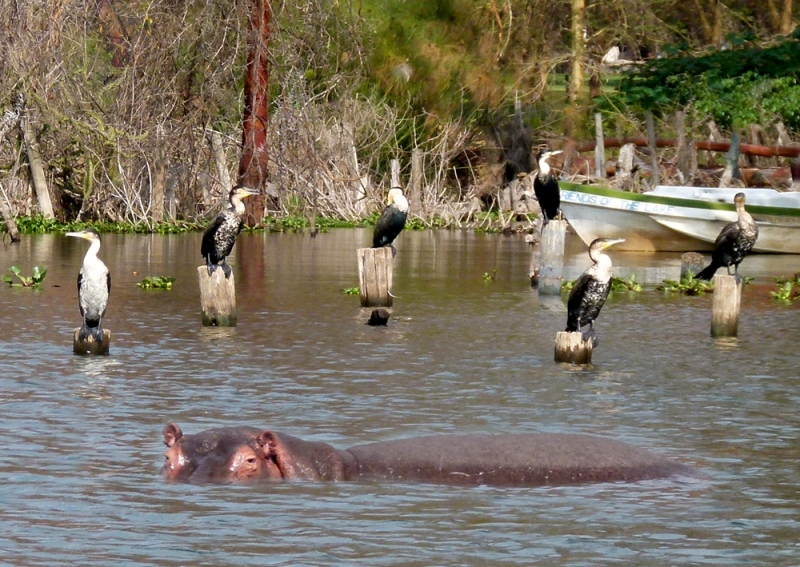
(488, 222)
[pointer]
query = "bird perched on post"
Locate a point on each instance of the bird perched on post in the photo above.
(94, 286)
(591, 289)
(545, 186)
(393, 219)
(220, 236)
(735, 241)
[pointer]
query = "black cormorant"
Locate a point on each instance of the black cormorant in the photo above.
(94, 285)
(393, 219)
(735, 241)
(591, 289)
(545, 185)
(220, 236)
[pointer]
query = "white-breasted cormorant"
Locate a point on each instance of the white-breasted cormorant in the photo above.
(545, 186)
(393, 219)
(94, 285)
(591, 289)
(735, 241)
(220, 236)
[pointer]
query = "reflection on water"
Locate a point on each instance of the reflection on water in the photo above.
(82, 436)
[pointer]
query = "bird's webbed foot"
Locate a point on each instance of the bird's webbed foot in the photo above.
(210, 267)
(737, 278)
(226, 269)
(590, 335)
(394, 250)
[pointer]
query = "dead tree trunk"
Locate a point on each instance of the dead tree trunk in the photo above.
(255, 156)
(38, 178)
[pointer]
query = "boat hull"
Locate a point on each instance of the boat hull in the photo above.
(659, 223)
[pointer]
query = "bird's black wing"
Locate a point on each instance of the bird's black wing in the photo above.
(207, 245)
(108, 281)
(390, 224)
(80, 282)
(575, 300)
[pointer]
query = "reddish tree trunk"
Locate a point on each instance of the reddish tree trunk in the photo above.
(114, 31)
(255, 157)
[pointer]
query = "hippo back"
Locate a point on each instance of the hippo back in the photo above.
(511, 460)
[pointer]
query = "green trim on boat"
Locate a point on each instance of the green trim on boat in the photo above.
(755, 210)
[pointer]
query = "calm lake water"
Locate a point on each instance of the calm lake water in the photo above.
(81, 437)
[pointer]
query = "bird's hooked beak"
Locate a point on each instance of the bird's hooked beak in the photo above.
(610, 243)
(246, 192)
(554, 153)
(84, 235)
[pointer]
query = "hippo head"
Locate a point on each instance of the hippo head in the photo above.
(220, 455)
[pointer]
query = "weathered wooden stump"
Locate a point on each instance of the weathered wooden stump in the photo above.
(90, 346)
(375, 267)
(217, 298)
(691, 262)
(552, 257)
(725, 307)
(570, 347)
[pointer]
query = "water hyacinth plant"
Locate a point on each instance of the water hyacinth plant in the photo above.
(34, 281)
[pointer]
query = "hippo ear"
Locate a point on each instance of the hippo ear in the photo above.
(268, 442)
(172, 434)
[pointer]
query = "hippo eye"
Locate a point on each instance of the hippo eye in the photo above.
(251, 460)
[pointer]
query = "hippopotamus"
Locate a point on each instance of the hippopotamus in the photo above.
(244, 453)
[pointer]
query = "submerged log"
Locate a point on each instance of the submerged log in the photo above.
(725, 307)
(375, 267)
(90, 346)
(570, 347)
(217, 298)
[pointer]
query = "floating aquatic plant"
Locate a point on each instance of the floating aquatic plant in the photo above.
(156, 282)
(34, 281)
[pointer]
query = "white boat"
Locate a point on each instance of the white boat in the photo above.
(679, 219)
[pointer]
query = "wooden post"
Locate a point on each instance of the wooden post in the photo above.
(725, 307)
(625, 167)
(217, 298)
(691, 262)
(732, 166)
(599, 148)
(683, 146)
(375, 276)
(655, 175)
(395, 165)
(415, 193)
(570, 347)
(552, 257)
(794, 167)
(90, 346)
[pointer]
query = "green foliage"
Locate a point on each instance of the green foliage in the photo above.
(688, 285)
(487, 277)
(620, 285)
(156, 282)
(788, 289)
(744, 85)
(40, 225)
(351, 291)
(34, 281)
(617, 285)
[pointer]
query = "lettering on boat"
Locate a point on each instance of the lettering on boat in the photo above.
(615, 203)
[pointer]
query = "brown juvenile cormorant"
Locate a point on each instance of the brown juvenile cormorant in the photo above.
(545, 186)
(393, 219)
(735, 241)
(591, 289)
(94, 285)
(220, 236)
